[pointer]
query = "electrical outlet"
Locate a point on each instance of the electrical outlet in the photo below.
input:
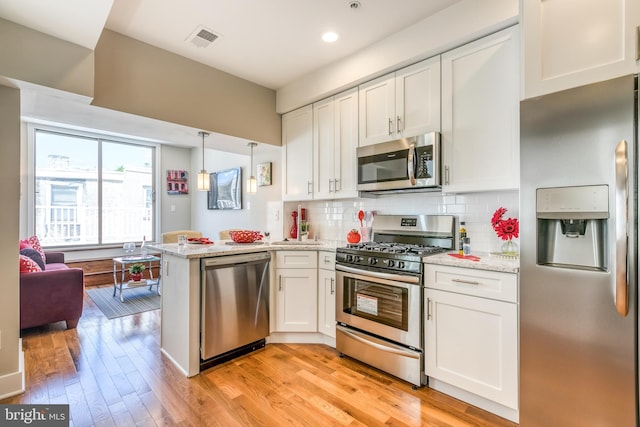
(173, 208)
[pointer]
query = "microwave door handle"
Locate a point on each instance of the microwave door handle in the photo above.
(411, 164)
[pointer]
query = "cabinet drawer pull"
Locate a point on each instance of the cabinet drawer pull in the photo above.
(390, 126)
(428, 308)
(332, 288)
(446, 175)
(309, 187)
(330, 190)
(398, 122)
(466, 282)
(280, 282)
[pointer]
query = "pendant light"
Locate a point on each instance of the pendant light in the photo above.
(203, 176)
(252, 183)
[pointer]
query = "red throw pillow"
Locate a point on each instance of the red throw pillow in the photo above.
(35, 244)
(27, 265)
(24, 244)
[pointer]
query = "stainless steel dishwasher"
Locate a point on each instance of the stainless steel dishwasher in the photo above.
(234, 311)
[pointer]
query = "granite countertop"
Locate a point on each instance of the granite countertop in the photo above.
(228, 247)
(482, 261)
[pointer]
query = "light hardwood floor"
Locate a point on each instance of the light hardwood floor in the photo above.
(111, 373)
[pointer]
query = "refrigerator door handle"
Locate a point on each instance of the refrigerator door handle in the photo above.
(622, 212)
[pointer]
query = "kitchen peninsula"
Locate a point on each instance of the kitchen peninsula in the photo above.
(181, 281)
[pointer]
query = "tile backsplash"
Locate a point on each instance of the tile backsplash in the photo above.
(332, 219)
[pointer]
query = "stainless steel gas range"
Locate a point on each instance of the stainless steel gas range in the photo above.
(379, 303)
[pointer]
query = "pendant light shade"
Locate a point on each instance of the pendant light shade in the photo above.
(203, 176)
(252, 183)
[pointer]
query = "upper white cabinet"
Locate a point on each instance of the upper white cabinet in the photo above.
(297, 154)
(401, 104)
(480, 114)
(335, 139)
(573, 43)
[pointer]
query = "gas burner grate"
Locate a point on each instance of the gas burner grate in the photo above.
(395, 248)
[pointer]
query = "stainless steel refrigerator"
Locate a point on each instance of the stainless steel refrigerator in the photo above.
(578, 292)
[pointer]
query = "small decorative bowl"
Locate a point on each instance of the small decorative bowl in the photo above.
(245, 236)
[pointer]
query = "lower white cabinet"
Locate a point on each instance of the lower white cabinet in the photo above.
(327, 293)
(471, 339)
(296, 302)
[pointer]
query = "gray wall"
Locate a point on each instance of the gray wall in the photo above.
(175, 210)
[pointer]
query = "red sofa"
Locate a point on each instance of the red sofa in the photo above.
(51, 295)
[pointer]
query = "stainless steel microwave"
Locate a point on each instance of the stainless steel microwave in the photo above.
(407, 163)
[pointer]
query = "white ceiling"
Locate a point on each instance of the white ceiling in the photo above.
(269, 42)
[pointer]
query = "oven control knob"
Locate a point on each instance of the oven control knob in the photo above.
(391, 263)
(373, 261)
(349, 258)
(400, 264)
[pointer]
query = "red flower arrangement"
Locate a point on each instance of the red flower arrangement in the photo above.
(506, 229)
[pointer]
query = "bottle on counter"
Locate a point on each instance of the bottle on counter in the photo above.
(466, 246)
(463, 235)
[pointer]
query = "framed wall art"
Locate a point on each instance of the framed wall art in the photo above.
(264, 174)
(225, 190)
(177, 182)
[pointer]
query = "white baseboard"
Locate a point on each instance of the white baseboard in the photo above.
(13, 383)
(301, 338)
(475, 400)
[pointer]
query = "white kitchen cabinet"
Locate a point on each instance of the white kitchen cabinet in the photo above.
(401, 104)
(335, 139)
(327, 293)
(296, 302)
(480, 114)
(574, 43)
(297, 154)
(471, 332)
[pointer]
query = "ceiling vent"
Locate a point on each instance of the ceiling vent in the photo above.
(202, 37)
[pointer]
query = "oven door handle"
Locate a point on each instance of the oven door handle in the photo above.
(386, 348)
(376, 274)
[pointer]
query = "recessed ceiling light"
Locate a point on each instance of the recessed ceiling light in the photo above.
(329, 37)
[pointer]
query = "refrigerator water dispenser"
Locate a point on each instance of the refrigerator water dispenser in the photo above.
(572, 227)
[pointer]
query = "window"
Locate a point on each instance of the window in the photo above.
(92, 191)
